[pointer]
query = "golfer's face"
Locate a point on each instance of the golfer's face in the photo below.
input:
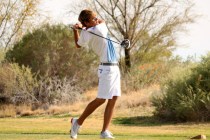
(93, 21)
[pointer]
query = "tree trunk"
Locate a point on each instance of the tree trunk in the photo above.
(127, 60)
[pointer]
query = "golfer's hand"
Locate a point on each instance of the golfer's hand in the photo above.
(100, 21)
(78, 26)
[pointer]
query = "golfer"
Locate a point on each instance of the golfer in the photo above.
(108, 71)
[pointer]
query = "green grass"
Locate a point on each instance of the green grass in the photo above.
(88, 137)
(133, 128)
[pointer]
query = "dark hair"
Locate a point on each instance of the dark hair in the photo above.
(85, 16)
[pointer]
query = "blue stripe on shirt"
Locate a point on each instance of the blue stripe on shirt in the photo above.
(111, 53)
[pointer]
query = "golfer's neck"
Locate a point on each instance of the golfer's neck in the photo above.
(88, 27)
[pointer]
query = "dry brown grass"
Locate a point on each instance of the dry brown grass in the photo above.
(137, 103)
(7, 111)
(133, 103)
(137, 98)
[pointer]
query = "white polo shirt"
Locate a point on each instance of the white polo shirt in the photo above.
(109, 76)
(102, 47)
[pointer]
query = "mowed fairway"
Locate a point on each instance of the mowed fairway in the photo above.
(57, 128)
(129, 123)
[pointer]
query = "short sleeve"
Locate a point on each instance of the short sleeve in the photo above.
(84, 39)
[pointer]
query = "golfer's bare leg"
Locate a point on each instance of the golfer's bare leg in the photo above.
(89, 109)
(109, 112)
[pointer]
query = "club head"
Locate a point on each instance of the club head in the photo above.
(125, 43)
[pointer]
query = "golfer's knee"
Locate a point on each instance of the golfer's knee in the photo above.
(114, 99)
(100, 101)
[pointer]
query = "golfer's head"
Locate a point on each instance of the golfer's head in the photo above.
(88, 18)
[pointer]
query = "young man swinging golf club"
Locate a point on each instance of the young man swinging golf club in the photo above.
(108, 71)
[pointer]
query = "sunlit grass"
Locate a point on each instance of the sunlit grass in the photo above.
(84, 137)
(132, 121)
(58, 129)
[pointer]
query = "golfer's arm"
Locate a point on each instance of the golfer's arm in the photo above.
(76, 38)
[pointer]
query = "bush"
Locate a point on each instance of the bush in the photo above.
(2, 54)
(144, 75)
(186, 94)
(16, 84)
(50, 51)
(56, 91)
(19, 85)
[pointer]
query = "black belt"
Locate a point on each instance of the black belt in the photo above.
(109, 64)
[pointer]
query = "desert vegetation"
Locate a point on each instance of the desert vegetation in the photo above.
(44, 71)
(185, 93)
(41, 71)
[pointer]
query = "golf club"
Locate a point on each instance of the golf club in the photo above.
(125, 43)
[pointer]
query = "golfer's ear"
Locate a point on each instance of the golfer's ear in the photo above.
(84, 24)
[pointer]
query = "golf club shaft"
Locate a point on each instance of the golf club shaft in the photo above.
(98, 35)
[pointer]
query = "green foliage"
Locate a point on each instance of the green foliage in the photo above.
(17, 84)
(186, 94)
(2, 54)
(156, 52)
(145, 74)
(62, 71)
(140, 76)
(50, 52)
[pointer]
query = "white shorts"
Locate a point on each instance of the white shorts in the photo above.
(109, 82)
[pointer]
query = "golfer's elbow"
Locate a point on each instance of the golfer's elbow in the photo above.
(77, 46)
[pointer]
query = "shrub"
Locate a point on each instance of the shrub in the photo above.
(50, 52)
(186, 94)
(143, 75)
(16, 84)
(56, 91)
(2, 54)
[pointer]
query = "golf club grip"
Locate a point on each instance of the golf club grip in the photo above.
(94, 34)
(75, 28)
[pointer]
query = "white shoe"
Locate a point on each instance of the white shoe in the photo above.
(74, 128)
(106, 135)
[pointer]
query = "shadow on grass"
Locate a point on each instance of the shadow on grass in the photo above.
(140, 121)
